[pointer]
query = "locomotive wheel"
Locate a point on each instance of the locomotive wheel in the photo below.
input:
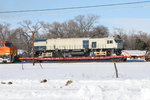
(108, 53)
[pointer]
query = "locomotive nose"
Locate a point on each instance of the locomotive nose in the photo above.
(13, 51)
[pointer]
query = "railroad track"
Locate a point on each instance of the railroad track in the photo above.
(99, 61)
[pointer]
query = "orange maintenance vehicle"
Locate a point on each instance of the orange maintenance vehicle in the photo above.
(8, 52)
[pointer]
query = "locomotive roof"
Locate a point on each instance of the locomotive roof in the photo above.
(1, 42)
(43, 40)
(82, 38)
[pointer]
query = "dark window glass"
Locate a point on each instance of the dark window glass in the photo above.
(85, 43)
(8, 44)
(93, 44)
(118, 41)
(39, 47)
(111, 41)
(36, 47)
(107, 41)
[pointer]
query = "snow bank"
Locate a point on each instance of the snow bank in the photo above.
(76, 71)
(78, 90)
(90, 81)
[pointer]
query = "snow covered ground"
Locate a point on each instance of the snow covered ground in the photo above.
(88, 81)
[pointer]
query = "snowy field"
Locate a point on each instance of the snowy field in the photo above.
(75, 81)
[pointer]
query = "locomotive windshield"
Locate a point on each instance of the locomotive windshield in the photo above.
(118, 41)
(8, 44)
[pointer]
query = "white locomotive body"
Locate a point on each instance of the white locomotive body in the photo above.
(68, 47)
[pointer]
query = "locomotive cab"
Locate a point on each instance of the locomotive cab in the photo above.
(119, 43)
(119, 47)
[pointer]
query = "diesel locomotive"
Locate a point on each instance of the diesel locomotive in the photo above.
(78, 47)
(8, 52)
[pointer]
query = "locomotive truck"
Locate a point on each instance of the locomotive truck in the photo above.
(78, 47)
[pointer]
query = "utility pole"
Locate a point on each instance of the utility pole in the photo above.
(33, 47)
(116, 70)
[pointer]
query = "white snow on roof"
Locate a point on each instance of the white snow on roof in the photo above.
(133, 52)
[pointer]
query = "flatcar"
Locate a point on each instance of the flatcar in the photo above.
(78, 47)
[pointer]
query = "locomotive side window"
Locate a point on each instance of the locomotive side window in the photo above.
(36, 47)
(40, 47)
(85, 43)
(1, 45)
(93, 44)
(109, 41)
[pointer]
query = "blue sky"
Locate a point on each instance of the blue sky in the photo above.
(129, 17)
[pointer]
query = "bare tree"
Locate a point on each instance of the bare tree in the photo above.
(71, 29)
(16, 38)
(28, 29)
(81, 26)
(4, 32)
(86, 23)
(99, 31)
(123, 35)
(143, 36)
(54, 30)
(57, 30)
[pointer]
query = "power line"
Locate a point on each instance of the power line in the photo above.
(79, 7)
(74, 12)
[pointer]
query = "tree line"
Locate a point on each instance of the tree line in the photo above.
(80, 26)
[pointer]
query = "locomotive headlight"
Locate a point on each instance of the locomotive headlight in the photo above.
(6, 53)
